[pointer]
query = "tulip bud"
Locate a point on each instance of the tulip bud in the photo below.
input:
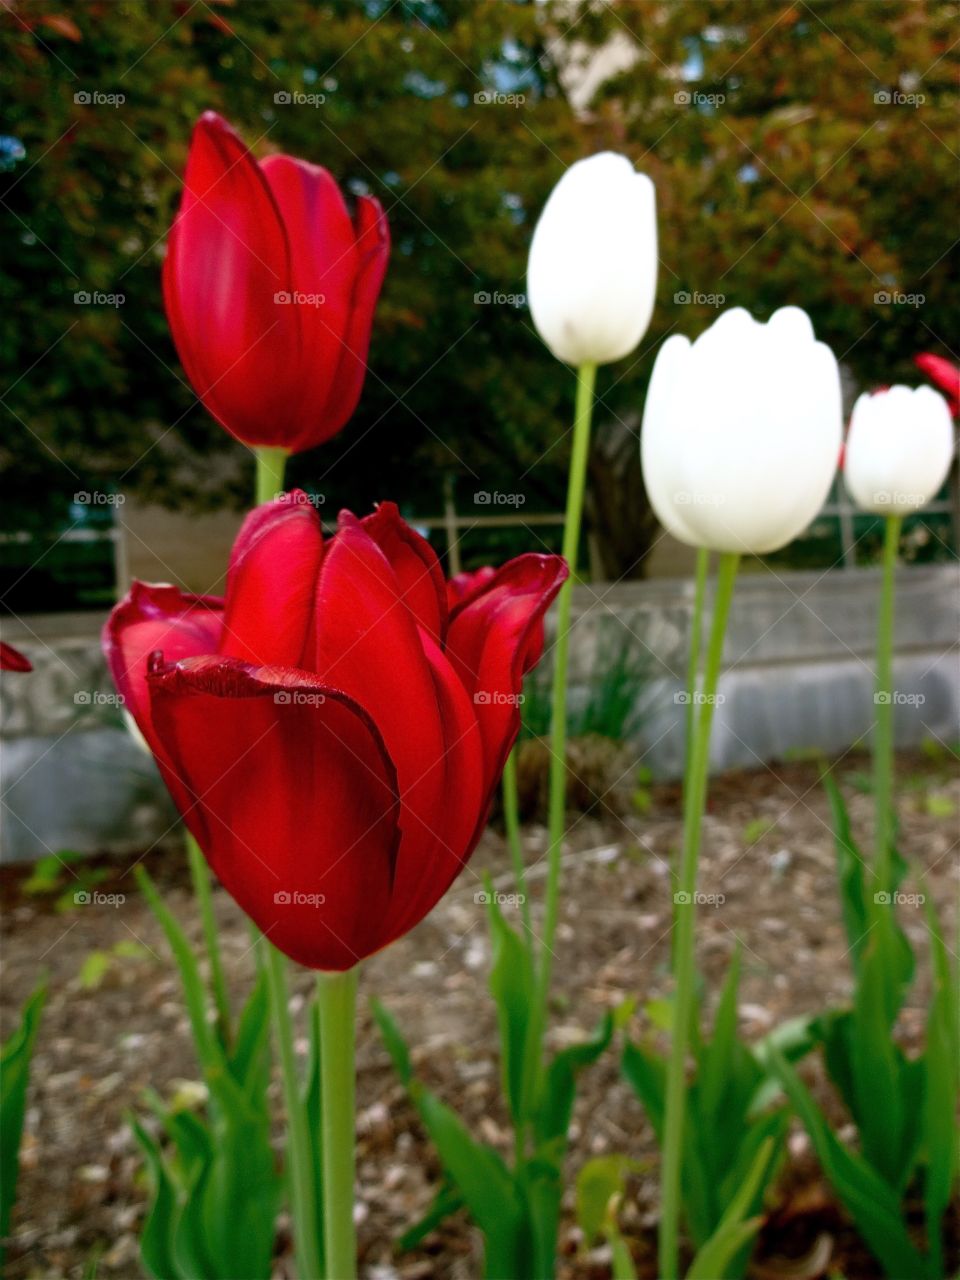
(592, 272)
(741, 432)
(898, 450)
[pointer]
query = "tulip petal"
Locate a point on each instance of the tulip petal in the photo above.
(12, 659)
(426, 866)
(292, 797)
(415, 564)
(373, 250)
(227, 259)
(465, 586)
(270, 586)
(495, 639)
(155, 618)
(368, 644)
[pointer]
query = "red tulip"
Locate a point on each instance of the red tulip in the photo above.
(945, 374)
(270, 288)
(12, 660)
(333, 730)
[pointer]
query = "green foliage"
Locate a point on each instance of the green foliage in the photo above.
(598, 1191)
(733, 1137)
(901, 1106)
(214, 1170)
(517, 1208)
(15, 1059)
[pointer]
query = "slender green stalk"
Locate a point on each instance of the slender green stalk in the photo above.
(303, 1193)
(511, 820)
(696, 639)
(337, 999)
(883, 733)
(586, 377)
(200, 875)
(271, 464)
(684, 950)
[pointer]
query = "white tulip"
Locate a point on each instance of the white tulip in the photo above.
(742, 431)
(899, 449)
(592, 271)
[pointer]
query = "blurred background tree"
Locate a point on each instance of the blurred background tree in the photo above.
(802, 153)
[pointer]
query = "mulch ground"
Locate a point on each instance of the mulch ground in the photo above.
(116, 1025)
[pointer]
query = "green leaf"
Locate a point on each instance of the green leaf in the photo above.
(394, 1042)
(850, 868)
(205, 1041)
(714, 1261)
(156, 1234)
(870, 1201)
(876, 1066)
(599, 1182)
(488, 1190)
(940, 1088)
(717, 1057)
(15, 1057)
(446, 1203)
(512, 987)
(558, 1088)
(646, 1071)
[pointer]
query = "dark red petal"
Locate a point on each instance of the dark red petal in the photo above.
(945, 374)
(12, 660)
(325, 264)
(465, 586)
(227, 259)
(415, 564)
(271, 583)
(289, 793)
(373, 250)
(427, 864)
(150, 619)
(369, 645)
(495, 638)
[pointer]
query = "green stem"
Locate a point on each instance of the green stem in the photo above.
(684, 951)
(271, 464)
(337, 998)
(303, 1192)
(696, 639)
(200, 875)
(586, 377)
(883, 734)
(511, 820)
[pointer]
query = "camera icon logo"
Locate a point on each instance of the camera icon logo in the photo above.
(682, 98)
(282, 898)
(282, 698)
(681, 698)
(481, 698)
(882, 899)
(882, 698)
(282, 98)
(882, 98)
(82, 698)
(482, 298)
(482, 898)
(882, 298)
(82, 98)
(482, 98)
(682, 298)
(81, 299)
(682, 899)
(282, 298)
(82, 898)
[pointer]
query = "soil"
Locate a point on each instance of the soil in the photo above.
(116, 1025)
